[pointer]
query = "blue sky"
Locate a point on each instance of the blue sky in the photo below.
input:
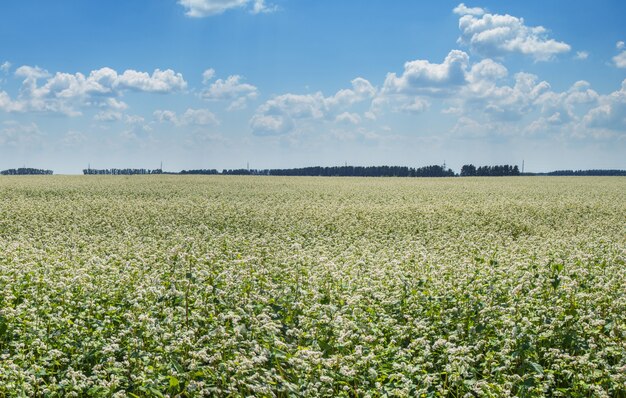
(292, 83)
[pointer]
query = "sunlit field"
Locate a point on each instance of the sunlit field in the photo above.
(269, 286)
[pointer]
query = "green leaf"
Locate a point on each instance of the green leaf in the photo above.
(174, 382)
(538, 368)
(156, 392)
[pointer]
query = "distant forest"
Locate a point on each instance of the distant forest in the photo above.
(24, 171)
(584, 173)
(468, 170)
(121, 171)
(352, 171)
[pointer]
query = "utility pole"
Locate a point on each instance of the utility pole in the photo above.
(522, 166)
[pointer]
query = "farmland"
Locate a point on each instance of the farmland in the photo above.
(277, 286)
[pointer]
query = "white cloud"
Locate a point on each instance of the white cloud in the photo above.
(361, 90)
(487, 106)
(462, 9)
(620, 60)
(347, 117)
(282, 114)
(160, 82)
(66, 93)
(108, 116)
(487, 70)
(260, 7)
(581, 55)
(611, 113)
(418, 105)
(208, 75)
(7, 104)
(206, 8)
(495, 35)
(620, 45)
(271, 124)
(31, 72)
(420, 79)
(231, 89)
(503, 103)
(199, 117)
(564, 109)
(421, 76)
(134, 119)
(5, 67)
(195, 117)
(108, 103)
(163, 116)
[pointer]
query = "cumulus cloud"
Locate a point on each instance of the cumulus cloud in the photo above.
(263, 124)
(134, 119)
(159, 82)
(418, 105)
(5, 67)
(206, 8)
(611, 112)
(208, 75)
(462, 9)
(503, 103)
(349, 118)
(620, 60)
(280, 115)
(563, 110)
(199, 117)
(487, 71)
(231, 89)
(620, 45)
(7, 104)
(494, 35)
(489, 104)
(67, 93)
(422, 76)
(163, 116)
(582, 55)
(421, 79)
(31, 72)
(259, 7)
(108, 116)
(193, 117)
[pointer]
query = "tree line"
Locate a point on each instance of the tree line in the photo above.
(25, 171)
(200, 171)
(349, 171)
(91, 171)
(468, 170)
(593, 172)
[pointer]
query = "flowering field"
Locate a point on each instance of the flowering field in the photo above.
(270, 286)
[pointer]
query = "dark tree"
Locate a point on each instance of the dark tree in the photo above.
(22, 171)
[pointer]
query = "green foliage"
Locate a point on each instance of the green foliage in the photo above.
(189, 286)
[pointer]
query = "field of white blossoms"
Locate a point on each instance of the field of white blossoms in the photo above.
(269, 286)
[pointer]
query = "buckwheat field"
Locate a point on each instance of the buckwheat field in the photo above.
(191, 286)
